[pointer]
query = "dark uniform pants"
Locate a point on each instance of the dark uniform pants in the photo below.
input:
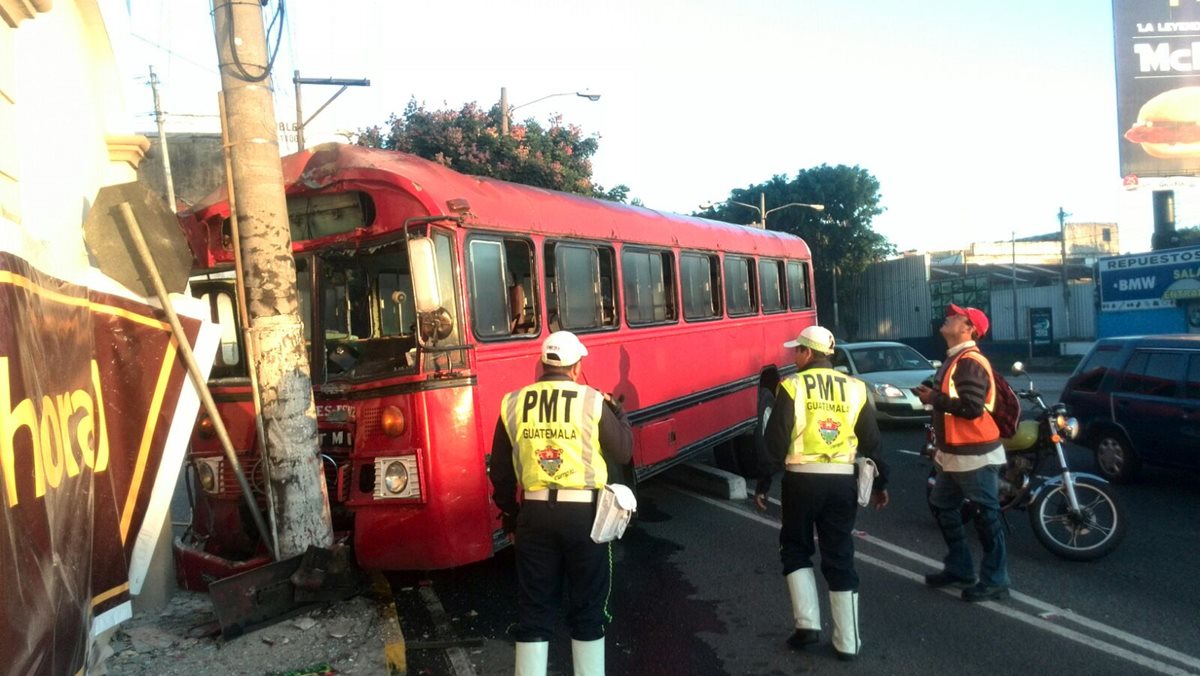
(554, 547)
(828, 502)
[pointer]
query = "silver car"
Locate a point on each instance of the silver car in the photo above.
(890, 371)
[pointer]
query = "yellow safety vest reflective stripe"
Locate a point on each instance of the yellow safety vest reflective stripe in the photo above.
(554, 428)
(827, 405)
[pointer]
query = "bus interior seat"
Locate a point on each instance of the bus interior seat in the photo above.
(520, 311)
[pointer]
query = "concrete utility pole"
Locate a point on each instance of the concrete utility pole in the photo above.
(1016, 316)
(1062, 228)
(298, 493)
(504, 111)
(162, 141)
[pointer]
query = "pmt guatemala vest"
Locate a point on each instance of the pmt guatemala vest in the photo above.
(554, 427)
(827, 404)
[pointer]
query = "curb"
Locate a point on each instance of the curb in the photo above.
(395, 652)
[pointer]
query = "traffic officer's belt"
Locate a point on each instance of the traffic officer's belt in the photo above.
(821, 468)
(563, 494)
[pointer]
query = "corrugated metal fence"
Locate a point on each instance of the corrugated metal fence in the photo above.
(890, 301)
(1082, 311)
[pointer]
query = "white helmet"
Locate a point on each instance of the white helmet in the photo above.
(816, 338)
(562, 348)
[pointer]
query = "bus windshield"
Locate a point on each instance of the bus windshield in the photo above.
(365, 309)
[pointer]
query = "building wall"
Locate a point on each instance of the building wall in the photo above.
(891, 301)
(1082, 311)
(197, 166)
(1085, 242)
(63, 129)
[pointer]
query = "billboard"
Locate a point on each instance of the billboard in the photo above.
(1157, 45)
(1147, 281)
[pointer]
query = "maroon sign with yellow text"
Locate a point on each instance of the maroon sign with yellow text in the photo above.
(89, 383)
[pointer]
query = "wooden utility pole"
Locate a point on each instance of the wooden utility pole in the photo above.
(299, 498)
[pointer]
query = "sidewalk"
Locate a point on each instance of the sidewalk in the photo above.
(183, 639)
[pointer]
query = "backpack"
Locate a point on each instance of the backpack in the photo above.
(1007, 409)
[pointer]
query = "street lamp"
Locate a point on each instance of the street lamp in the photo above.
(506, 112)
(762, 209)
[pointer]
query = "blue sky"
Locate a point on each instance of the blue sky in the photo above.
(979, 119)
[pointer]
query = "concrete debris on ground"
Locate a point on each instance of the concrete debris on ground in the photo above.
(184, 638)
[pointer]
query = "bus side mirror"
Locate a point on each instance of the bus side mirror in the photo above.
(422, 262)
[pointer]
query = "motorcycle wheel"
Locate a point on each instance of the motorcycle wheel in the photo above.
(1079, 537)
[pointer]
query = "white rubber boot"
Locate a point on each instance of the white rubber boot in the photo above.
(843, 606)
(588, 657)
(531, 658)
(802, 587)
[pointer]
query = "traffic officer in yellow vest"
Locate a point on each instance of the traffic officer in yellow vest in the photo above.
(821, 420)
(556, 441)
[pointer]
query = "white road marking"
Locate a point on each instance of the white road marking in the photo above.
(906, 452)
(459, 662)
(1042, 607)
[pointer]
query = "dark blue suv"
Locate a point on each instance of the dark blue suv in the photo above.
(1137, 399)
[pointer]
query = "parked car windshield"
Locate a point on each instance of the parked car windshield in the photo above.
(888, 358)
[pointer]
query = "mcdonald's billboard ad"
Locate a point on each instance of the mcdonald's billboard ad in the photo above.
(1157, 45)
(95, 411)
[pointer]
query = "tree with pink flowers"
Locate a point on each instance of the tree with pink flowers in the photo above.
(556, 156)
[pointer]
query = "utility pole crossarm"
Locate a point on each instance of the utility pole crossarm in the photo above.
(301, 123)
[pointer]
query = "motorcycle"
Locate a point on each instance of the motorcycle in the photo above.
(1075, 515)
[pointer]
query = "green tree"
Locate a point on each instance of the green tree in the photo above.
(557, 157)
(1188, 236)
(840, 237)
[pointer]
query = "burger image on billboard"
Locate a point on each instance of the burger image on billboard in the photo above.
(1168, 125)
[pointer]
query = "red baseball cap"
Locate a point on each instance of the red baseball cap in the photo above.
(973, 315)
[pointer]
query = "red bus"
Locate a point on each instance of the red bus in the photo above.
(426, 294)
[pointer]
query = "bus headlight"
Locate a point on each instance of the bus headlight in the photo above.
(1070, 428)
(208, 473)
(396, 477)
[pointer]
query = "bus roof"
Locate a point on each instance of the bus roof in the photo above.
(500, 205)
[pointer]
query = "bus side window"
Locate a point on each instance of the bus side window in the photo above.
(701, 284)
(579, 286)
(523, 314)
(221, 305)
(770, 284)
(797, 285)
(740, 296)
(503, 301)
(649, 286)
(608, 288)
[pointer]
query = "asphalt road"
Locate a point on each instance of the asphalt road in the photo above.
(698, 590)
